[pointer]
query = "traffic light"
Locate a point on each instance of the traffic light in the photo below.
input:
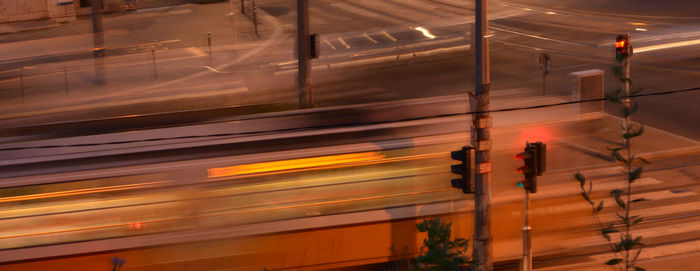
(534, 164)
(622, 46)
(464, 169)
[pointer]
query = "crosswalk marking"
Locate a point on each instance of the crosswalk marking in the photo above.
(342, 41)
(329, 44)
(196, 51)
(369, 38)
(386, 34)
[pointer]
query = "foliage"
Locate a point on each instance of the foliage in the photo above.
(443, 253)
(623, 245)
(117, 263)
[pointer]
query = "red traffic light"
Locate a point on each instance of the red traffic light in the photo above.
(622, 45)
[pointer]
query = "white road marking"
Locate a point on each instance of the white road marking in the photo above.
(369, 38)
(389, 36)
(196, 51)
(342, 41)
(329, 44)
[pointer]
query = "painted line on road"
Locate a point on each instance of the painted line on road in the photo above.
(329, 44)
(196, 51)
(386, 34)
(369, 38)
(342, 41)
(540, 37)
(375, 60)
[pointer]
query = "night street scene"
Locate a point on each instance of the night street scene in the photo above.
(350, 135)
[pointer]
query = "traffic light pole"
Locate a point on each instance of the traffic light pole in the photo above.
(98, 38)
(304, 54)
(626, 70)
(483, 247)
(526, 264)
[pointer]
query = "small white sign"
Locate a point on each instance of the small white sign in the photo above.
(484, 168)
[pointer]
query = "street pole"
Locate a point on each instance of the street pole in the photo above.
(65, 79)
(626, 85)
(526, 264)
(545, 66)
(209, 45)
(304, 54)
(483, 246)
(98, 41)
(243, 7)
(153, 57)
(255, 19)
(21, 81)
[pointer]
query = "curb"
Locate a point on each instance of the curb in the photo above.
(659, 155)
(18, 30)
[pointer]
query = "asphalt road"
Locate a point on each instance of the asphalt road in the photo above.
(351, 31)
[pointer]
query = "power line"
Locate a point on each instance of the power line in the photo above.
(334, 126)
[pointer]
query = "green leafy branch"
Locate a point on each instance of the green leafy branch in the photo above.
(626, 248)
(439, 252)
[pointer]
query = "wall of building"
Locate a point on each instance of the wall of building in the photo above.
(56, 10)
(22, 10)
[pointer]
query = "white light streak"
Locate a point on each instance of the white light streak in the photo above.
(425, 32)
(666, 46)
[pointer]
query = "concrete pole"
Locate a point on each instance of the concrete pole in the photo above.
(304, 54)
(626, 74)
(483, 247)
(98, 41)
(526, 264)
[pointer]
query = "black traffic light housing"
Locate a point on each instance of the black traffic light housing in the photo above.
(622, 46)
(534, 164)
(464, 169)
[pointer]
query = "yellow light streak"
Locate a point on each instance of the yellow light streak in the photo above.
(81, 191)
(293, 164)
(425, 32)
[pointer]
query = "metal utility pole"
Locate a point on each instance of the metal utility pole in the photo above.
(304, 54)
(483, 247)
(626, 73)
(98, 40)
(255, 18)
(546, 67)
(526, 264)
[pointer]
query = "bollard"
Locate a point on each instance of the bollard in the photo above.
(153, 57)
(65, 79)
(21, 81)
(209, 45)
(255, 18)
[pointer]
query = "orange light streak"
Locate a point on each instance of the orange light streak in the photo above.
(81, 191)
(293, 164)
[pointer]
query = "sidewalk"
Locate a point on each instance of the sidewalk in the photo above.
(15, 27)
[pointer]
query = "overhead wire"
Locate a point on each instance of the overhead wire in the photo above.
(660, 93)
